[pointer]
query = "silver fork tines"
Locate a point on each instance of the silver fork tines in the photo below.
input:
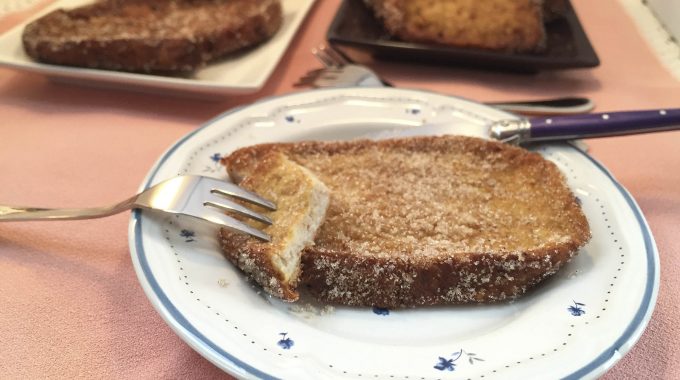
(329, 56)
(226, 205)
(338, 71)
(345, 76)
(200, 197)
(217, 217)
(230, 189)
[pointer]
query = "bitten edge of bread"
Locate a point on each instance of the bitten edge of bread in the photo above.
(264, 261)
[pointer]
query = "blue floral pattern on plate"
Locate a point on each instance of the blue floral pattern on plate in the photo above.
(188, 235)
(577, 309)
(445, 364)
(215, 158)
(285, 343)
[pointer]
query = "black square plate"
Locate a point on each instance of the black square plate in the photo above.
(356, 32)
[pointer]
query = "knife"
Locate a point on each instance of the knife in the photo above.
(606, 124)
(559, 128)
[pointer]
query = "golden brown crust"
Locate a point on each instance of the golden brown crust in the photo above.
(399, 282)
(255, 261)
(508, 25)
(244, 161)
(432, 220)
(150, 35)
(301, 201)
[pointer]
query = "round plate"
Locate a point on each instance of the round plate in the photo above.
(576, 325)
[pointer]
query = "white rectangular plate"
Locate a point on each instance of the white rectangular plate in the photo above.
(240, 73)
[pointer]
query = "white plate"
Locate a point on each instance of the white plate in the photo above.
(576, 325)
(240, 73)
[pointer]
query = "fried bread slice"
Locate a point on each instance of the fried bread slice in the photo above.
(505, 25)
(161, 36)
(431, 220)
(301, 201)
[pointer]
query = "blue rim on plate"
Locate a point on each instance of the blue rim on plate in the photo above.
(194, 338)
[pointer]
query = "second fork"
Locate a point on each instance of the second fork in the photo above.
(339, 71)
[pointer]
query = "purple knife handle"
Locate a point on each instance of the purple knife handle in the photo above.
(603, 124)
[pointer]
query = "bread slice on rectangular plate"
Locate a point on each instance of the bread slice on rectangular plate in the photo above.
(503, 25)
(156, 36)
(301, 201)
(430, 220)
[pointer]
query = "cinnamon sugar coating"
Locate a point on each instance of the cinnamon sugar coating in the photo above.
(150, 35)
(505, 25)
(432, 220)
(301, 202)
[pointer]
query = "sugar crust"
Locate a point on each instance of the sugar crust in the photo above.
(432, 220)
(150, 35)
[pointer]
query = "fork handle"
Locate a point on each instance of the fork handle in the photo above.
(16, 213)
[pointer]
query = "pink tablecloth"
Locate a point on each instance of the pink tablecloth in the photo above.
(70, 302)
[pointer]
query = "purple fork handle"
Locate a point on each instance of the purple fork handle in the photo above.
(603, 124)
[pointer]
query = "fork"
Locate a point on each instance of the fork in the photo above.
(339, 71)
(348, 75)
(196, 196)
